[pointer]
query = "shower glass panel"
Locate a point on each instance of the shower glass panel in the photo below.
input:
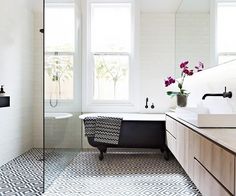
(62, 128)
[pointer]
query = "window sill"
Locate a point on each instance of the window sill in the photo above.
(101, 106)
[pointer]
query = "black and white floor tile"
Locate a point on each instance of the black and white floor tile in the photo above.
(56, 160)
(121, 174)
(23, 175)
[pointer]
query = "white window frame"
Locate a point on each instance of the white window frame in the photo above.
(214, 16)
(74, 104)
(91, 105)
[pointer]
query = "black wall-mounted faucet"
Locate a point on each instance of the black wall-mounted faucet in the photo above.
(146, 106)
(224, 95)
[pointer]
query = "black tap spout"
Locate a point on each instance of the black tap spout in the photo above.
(212, 95)
(225, 94)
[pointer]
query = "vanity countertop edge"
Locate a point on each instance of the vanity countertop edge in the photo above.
(225, 137)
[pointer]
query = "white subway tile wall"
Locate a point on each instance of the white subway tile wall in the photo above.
(17, 74)
(157, 59)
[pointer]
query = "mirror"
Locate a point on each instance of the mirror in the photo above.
(204, 32)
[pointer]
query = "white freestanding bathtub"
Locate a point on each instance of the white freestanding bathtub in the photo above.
(128, 116)
(55, 129)
(57, 115)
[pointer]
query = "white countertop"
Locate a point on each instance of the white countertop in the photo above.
(226, 137)
(128, 116)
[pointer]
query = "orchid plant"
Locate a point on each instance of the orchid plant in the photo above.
(185, 71)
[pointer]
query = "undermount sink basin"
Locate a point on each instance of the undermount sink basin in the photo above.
(202, 118)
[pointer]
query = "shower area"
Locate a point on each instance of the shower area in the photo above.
(62, 87)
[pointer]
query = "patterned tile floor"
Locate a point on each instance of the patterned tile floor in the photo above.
(119, 174)
(55, 163)
(23, 175)
(122, 174)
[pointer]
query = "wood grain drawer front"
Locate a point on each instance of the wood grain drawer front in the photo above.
(184, 152)
(171, 143)
(206, 183)
(171, 126)
(219, 162)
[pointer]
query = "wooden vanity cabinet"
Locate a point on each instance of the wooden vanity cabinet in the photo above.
(206, 183)
(218, 161)
(171, 125)
(171, 143)
(184, 143)
(181, 145)
(209, 165)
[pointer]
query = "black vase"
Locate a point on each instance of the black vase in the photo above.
(182, 100)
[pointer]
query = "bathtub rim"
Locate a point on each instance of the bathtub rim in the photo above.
(57, 115)
(129, 116)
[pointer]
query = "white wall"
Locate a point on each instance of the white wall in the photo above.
(192, 38)
(16, 73)
(213, 81)
(157, 58)
(38, 81)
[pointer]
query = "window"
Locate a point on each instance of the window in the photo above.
(226, 31)
(59, 46)
(110, 50)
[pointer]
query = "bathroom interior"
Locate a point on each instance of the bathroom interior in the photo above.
(157, 78)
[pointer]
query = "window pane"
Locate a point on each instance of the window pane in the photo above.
(59, 45)
(226, 28)
(111, 80)
(110, 27)
(59, 28)
(59, 77)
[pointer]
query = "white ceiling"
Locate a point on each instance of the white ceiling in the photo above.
(170, 6)
(175, 5)
(159, 5)
(195, 6)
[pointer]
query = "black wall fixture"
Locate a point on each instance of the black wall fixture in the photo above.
(4, 101)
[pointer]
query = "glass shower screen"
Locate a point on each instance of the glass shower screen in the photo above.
(62, 128)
